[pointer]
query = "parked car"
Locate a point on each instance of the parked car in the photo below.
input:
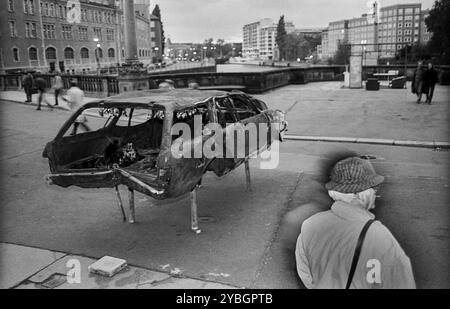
(133, 143)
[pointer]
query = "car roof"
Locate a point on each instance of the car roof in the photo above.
(173, 99)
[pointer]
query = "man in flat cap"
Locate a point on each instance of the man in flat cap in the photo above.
(345, 247)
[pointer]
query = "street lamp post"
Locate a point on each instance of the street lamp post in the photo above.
(204, 52)
(97, 56)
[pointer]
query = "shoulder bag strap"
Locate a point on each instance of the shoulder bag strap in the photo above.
(358, 252)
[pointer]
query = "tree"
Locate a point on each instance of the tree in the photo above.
(220, 43)
(438, 23)
(342, 55)
(157, 12)
(413, 53)
(281, 38)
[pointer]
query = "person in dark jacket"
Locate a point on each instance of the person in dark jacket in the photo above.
(27, 85)
(41, 86)
(417, 85)
(430, 80)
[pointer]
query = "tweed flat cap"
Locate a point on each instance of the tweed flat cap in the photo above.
(353, 175)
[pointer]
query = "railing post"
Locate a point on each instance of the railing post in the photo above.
(105, 92)
(19, 82)
(3, 83)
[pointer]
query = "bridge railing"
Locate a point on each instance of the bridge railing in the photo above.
(92, 85)
(254, 82)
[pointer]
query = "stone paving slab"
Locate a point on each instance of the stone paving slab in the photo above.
(129, 278)
(17, 263)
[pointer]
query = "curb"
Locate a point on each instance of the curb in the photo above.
(371, 141)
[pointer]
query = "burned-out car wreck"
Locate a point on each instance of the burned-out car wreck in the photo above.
(134, 142)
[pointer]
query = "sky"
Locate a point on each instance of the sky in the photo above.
(197, 20)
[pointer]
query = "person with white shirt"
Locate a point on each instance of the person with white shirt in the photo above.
(75, 100)
(345, 247)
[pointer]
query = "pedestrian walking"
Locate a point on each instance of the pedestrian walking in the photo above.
(41, 87)
(430, 80)
(75, 99)
(58, 86)
(417, 85)
(27, 84)
(345, 247)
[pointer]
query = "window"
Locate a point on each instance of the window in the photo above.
(31, 7)
(49, 31)
(69, 53)
(84, 15)
(84, 53)
(25, 6)
(50, 53)
(30, 30)
(67, 32)
(83, 33)
(46, 9)
(10, 5)
(27, 30)
(51, 10)
(98, 33)
(111, 53)
(110, 35)
(32, 54)
(15, 51)
(12, 29)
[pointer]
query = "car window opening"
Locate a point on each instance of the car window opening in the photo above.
(130, 139)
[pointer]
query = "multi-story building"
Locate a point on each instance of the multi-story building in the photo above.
(399, 26)
(337, 33)
(259, 38)
(323, 54)
(38, 35)
(363, 30)
(308, 31)
(395, 27)
(250, 46)
(157, 39)
(425, 36)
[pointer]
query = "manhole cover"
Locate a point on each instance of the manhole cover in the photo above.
(206, 219)
(368, 157)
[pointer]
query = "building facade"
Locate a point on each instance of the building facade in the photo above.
(364, 31)
(337, 34)
(394, 28)
(250, 47)
(400, 26)
(259, 38)
(37, 35)
(157, 39)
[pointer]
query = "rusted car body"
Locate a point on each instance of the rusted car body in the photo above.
(141, 123)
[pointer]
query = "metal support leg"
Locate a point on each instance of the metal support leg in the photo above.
(119, 198)
(194, 215)
(247, 176)
(131, 218)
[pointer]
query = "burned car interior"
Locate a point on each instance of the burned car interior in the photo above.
(132, 139)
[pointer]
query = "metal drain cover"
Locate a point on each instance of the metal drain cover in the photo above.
(368, 157)
(206, 219)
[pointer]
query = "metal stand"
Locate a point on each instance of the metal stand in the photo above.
(194, 215)
(124, 218)
(131, 218)
(247, 176)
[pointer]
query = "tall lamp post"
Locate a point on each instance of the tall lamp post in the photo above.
(97, 56)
